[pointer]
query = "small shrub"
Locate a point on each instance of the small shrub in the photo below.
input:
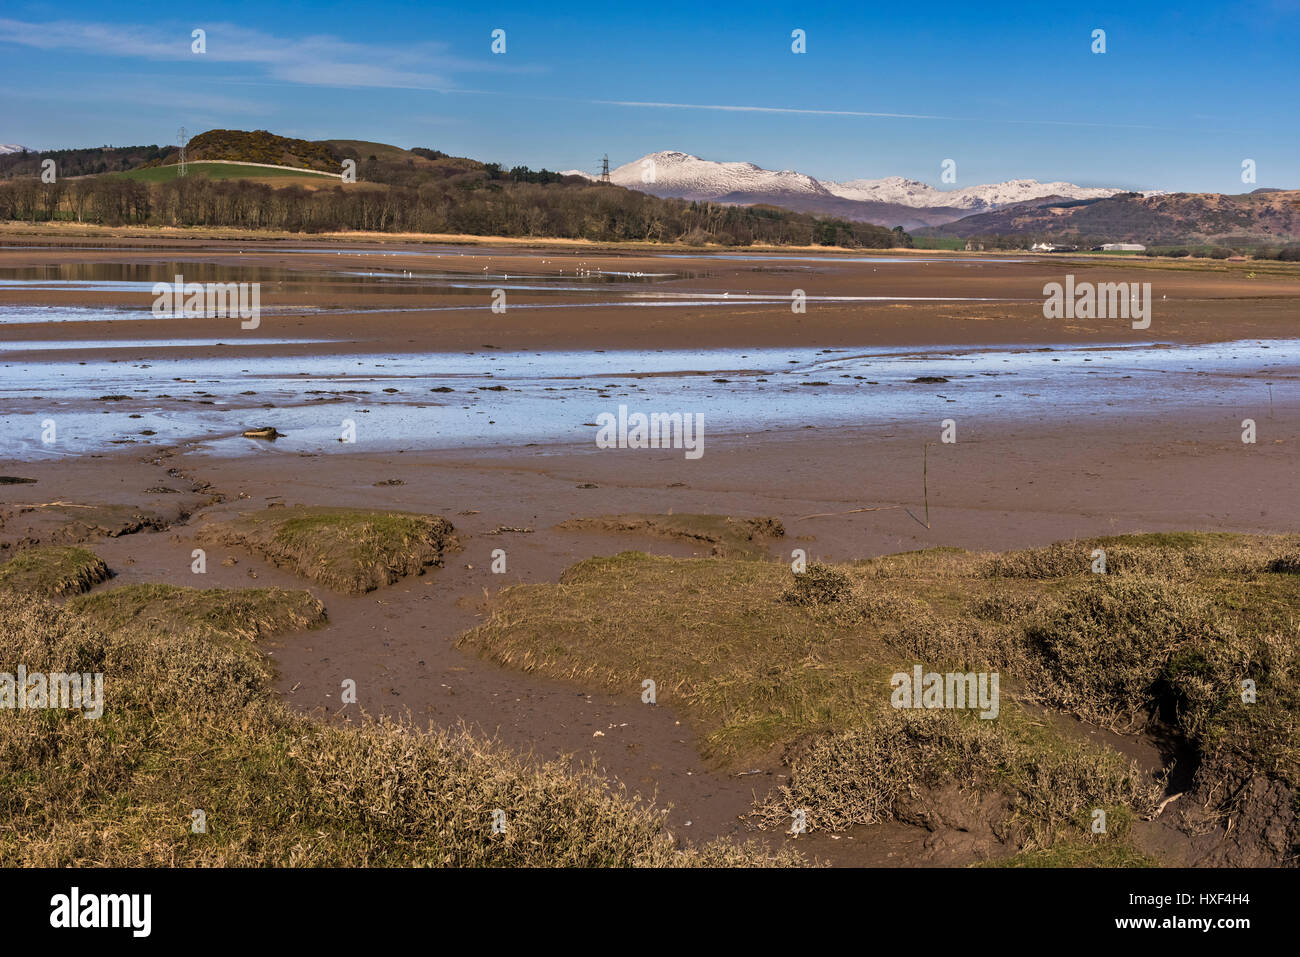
(819, 584)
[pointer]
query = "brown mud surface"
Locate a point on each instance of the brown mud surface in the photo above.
(1005, 485)
(1191, 305)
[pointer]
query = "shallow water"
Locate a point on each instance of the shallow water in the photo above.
(25, 314)
(838, 259)
(37, 346)
(579, 286)
(553, 397)
(455, 252)
(35, 314)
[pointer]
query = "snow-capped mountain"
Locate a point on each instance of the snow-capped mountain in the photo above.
(13, 148)
(909, 192)
(893, 201)
(689, 177)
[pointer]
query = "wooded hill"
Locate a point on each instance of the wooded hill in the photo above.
(1263, 216)
(417, 190)
(259, 146)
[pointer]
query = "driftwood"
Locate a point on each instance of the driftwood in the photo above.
(852, 511)
(1163, 804)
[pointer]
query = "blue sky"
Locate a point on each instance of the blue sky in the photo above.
(1183, 94)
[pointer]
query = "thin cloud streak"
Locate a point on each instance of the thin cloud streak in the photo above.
(767, 109)
(895, 116)
(307, 61)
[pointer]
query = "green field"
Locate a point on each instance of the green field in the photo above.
(937, 242)
(164, 174)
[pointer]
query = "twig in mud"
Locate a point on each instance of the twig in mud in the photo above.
(59, 504)
(1163, 804)
(925, 480)
(852, 511)
(925, 484)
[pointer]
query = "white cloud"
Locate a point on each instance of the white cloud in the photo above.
(767, 109)
(311, 61)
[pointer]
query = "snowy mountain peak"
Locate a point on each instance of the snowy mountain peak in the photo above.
(12, 148)
(890, 201)
(672, 173)
(677, 174)
(909, 192)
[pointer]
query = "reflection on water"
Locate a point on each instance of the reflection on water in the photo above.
(576, 282)
(140, 277)
(839, 259)
(500, 399)
(36, 314)
(63, 345)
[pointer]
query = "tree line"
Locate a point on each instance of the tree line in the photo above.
(88, 161)
(491, 202)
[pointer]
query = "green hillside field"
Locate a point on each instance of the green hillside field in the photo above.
(163, 174)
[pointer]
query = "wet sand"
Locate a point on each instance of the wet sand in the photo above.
(1207, 304)
(1028, 475)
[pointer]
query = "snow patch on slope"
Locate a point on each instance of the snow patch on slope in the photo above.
(682, 175)
(672, 173)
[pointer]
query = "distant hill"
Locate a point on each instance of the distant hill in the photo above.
(235, 183)
(376, 162)
(230, 169)
(88, 161)
(382, 163)
(241, 146)
(258, 146)
(892, 201)
(1177, 218)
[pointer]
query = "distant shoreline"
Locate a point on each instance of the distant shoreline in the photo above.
(78, 232)
(94, 231)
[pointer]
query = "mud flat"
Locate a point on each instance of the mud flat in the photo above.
(430, 298)
(1064, 430)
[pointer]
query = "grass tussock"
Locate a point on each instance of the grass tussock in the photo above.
(348, 550)
(818, 584)
(208, 614)
(1176, 631)
(1163, 555)
(53, 571)
(1044, 783)
(190, 723)
(1101, 853)
(725, 536)
(711, 633)
(1112, 848)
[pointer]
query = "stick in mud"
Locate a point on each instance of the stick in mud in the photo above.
(925, 485)
(852, 511)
